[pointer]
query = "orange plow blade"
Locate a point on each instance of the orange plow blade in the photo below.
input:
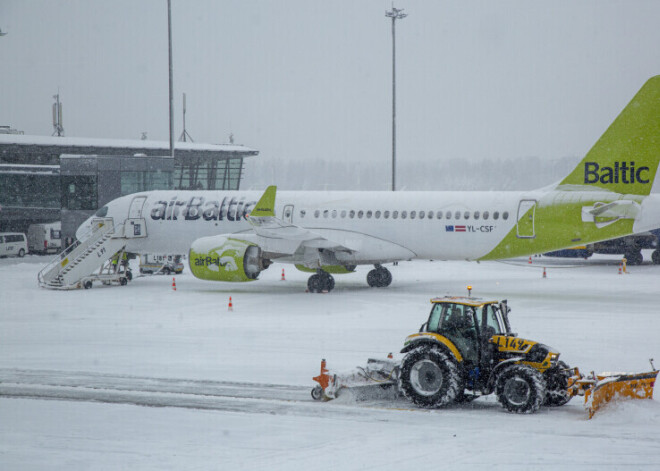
(600, 389)
(619, 386)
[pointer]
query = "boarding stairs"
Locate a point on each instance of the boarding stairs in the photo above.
(84, 260)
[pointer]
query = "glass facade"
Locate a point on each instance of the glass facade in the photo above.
(31, 190)
(79, 192)
(205, 174)
(134, 182)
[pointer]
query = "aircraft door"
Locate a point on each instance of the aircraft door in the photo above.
(287, 214)
(135, 210)
(526, 211)
(135, 225)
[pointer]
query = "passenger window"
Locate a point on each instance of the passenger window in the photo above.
(351, 214)
(317, 213)
(386, 214)
(421, 214)
(505, 215)
(496, 215)
(343, 214)
(404, 214)
(476, 214)
(334, 213)
(325, 213)
(466, 215)
(369, 214)
(302, 213)
(377, 214)
(360, 214)
(485, 214)
(457, 215)
(413, 214)
(395, 214)
(448, 215)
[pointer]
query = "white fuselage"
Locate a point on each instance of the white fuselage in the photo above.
(439, 225)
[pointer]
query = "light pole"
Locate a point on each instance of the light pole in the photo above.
(395, 14)
(169, 44)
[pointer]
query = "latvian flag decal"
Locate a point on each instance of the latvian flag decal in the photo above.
(455, 228)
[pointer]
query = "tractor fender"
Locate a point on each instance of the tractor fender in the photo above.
(493, 374)
(433, 340)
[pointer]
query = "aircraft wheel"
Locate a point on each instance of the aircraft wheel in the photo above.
(314, 284)
(634, 258)
(655, 256)
(379, 277)
(129, 275)
(87, 284)
(123, 281)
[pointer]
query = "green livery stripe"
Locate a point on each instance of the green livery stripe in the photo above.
(266, 205)
(557, 225)
(625, 159)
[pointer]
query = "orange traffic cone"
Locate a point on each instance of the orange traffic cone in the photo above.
(283, 279)
(231, 306)
(544, 275)
(173, 284)
(620, 271)
(530, 259)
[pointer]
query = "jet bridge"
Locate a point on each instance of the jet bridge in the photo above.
(90, 259)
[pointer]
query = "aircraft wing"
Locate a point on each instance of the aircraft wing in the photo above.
(277, 236)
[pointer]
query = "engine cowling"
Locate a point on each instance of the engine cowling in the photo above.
(221, 258)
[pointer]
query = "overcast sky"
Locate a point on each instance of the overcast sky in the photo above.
(312, 78)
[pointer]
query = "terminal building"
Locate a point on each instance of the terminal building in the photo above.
(45, 179)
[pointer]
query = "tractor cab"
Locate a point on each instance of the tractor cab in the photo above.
(469, 323)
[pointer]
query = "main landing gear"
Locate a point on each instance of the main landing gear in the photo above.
(322, 281)
(379, 277)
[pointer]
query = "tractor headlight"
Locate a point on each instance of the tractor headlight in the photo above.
(538, 353)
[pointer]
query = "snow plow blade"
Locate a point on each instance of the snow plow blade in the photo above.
(601, 389)
(383, 373)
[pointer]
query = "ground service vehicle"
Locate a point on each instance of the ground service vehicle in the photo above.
(160, 264)
(13, 243)
(466, 349)
(45, 238)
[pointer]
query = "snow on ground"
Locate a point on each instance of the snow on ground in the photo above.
(108, 352)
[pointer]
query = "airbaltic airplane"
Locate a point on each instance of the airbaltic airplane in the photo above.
(234, 235)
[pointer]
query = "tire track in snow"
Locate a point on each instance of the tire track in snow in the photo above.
(239, 397)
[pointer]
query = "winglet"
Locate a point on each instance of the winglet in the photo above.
(266, 205)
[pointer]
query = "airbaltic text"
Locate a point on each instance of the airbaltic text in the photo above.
(594, 173)
(197, 207)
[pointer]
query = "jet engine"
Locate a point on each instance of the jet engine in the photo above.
(222, 258)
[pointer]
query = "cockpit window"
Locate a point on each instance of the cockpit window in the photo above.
(101, 213)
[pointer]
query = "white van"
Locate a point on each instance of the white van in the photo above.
(45, 238)
(13, 243)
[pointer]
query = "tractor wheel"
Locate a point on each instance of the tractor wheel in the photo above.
(556, 389)
(520, 389)
(429, 378)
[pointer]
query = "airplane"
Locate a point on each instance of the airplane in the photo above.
(234, 235)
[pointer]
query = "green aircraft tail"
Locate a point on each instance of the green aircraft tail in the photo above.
(625, 159)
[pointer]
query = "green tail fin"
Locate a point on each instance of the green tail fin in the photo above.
(625, 159)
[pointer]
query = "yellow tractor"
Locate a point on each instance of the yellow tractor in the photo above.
(466, 349)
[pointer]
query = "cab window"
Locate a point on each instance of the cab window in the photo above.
(490, 321)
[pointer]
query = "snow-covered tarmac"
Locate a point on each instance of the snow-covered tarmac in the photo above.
(230, 390)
